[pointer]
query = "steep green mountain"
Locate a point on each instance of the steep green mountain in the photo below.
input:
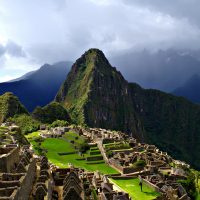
(170, 122)
(50, 113)
(10, 106)
(96, 94)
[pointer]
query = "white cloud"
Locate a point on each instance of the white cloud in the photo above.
(50, 31)
(7, 78)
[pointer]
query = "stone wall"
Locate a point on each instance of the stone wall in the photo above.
(128, 170)
(8, 161)
(94, 158)
(124, 170)
(27, 184)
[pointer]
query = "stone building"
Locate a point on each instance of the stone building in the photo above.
(9, 157)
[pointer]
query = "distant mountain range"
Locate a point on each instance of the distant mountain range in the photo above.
(38, 88)
(165, 70)
(190, 89)
(170, 70)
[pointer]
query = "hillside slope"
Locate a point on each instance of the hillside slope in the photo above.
(170, 122)
(96, 94)
(10, 106)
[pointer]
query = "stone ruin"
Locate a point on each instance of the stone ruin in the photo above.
(17, 178)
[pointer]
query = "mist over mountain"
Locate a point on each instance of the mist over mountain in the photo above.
(39, 87)
(190, 89)
(164, 69)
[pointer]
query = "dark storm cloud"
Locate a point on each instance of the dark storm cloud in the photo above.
(50, 31)
(2, 50)
(187, 9)
(14, 49)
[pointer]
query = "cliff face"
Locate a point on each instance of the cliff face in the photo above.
(172, 123)
(10, 106)
(96, 94)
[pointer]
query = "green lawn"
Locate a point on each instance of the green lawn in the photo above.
(32, 135)
(54, 146)
(63, 145)
(132, 187)
(31, 138)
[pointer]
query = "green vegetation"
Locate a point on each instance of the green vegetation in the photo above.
(26, 123)
(50, 113)
(34, 138)
(132, 187)
(7, 138)
(3, 130)
(171, 123)
(10, 106)
(139, 163)
(59, 123)
(62, 152)
(117, 146)
(77, 86)
(191, 184)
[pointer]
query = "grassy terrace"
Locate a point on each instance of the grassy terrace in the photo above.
(54, 146)
(117, 146)
(132, 187)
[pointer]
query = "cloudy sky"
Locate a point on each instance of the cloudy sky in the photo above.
(46, 31)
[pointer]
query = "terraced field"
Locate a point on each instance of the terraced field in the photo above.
(62, 152)
(132, 187)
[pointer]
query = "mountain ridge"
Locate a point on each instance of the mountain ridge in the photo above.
(40, 87)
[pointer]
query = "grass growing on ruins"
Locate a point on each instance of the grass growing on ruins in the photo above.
(3, 129)
(132, 187)
(32, 139)
(54, 146)
(32, 135)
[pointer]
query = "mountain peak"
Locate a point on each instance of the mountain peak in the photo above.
(94, 51)
(93, 58)
(89, 90)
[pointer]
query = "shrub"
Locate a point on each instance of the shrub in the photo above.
(189, 184)
(83, 147)
(59, 123)
(50, 113)
(139, 163)
(26, 123)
